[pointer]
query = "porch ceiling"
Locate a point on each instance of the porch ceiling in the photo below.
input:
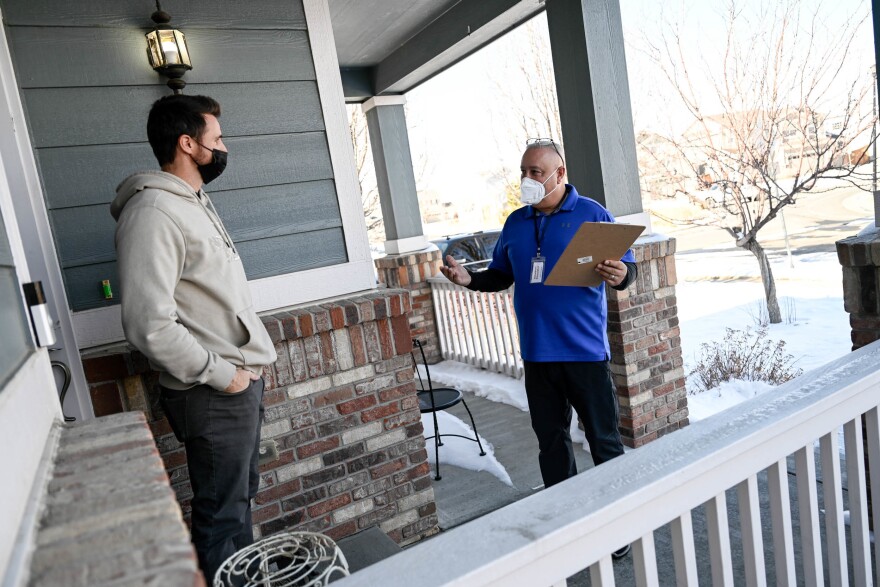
(389, 47)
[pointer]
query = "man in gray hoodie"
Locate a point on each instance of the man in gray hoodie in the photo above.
(186, 306)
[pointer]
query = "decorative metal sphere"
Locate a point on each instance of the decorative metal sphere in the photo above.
(300, 559)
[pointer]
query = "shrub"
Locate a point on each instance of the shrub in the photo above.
(743, 355)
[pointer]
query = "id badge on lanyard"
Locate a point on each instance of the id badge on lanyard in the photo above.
(537, 275)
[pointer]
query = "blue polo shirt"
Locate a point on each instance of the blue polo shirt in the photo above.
(555, 323)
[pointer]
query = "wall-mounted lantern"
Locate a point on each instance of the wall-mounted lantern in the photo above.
(167, 51)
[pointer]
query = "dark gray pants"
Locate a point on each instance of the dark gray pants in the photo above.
(221, 433)
(552, 390)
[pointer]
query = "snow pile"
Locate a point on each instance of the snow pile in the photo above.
(461, 452)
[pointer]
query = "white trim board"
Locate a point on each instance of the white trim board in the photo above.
(329, 80)
(29, 410)
(640, 219)
(104, 326)
(392, 100)
(402, 246)
(30, 232)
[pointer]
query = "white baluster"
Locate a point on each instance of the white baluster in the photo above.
(831, 490)
(858, 502)
(753, 541)
(719, 540)
(780, 516)
(683, 551)
(645, 561)
(808, 507)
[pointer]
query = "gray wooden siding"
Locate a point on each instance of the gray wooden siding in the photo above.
(87, 88)
(15, 343)
(264, 14)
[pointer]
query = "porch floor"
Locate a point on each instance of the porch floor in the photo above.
(463, 495)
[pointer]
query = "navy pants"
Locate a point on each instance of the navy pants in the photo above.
(553, 389)
(221, 433)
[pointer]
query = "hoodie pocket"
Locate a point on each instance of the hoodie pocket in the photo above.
(257, 351)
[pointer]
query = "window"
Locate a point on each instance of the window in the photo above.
(466, 251)
(15, 344)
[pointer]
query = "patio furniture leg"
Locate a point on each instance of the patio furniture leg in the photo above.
(476, 434)
(436, 450)
(437, 444)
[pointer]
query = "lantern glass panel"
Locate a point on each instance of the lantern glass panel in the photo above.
(170, 51)
(182, 49)
(154, 50)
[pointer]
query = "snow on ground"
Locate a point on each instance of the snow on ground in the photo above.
(715, 291)
(461, 452)
(492, 386)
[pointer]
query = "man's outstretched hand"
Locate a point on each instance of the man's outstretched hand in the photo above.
(455, 272)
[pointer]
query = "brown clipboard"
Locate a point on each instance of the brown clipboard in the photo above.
(593, 243)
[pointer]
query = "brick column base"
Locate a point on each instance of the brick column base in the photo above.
(411, 272)
(859, 257)
(645, 339)
(343, 437)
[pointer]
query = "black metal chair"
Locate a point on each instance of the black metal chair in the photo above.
(442, 398)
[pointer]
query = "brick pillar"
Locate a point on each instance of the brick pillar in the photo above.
(342, 430)
(411, 272)
(859, 257)
(645, 339)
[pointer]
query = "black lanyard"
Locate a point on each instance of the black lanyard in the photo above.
(539, 233)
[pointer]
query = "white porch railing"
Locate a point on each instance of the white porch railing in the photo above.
(477, 328)
(553, 534)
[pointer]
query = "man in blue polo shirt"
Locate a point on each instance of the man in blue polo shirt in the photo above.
(563, 338)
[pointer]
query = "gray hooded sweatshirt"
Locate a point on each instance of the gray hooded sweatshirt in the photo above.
(185, 298)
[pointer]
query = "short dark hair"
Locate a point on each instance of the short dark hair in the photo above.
(176, 115)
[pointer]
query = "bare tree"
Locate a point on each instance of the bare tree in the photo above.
(527, 102)
(790, 114)
(363, 159)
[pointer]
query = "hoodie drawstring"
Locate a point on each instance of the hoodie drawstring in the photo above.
(215, 220)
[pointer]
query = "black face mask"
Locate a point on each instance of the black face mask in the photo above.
(212, 170)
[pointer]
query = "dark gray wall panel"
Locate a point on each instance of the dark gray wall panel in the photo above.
(247, 109)
(297, 252)
(257, 213)
(264, 14)
(83, 285)
(81, 176)
(84, 235)
(261, 258)
(87, 89)
(50, 57)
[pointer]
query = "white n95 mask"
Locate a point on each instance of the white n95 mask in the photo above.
(531, 191)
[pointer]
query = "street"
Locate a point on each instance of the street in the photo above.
(814, 223)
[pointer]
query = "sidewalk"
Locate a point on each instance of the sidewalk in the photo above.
(463, 495)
